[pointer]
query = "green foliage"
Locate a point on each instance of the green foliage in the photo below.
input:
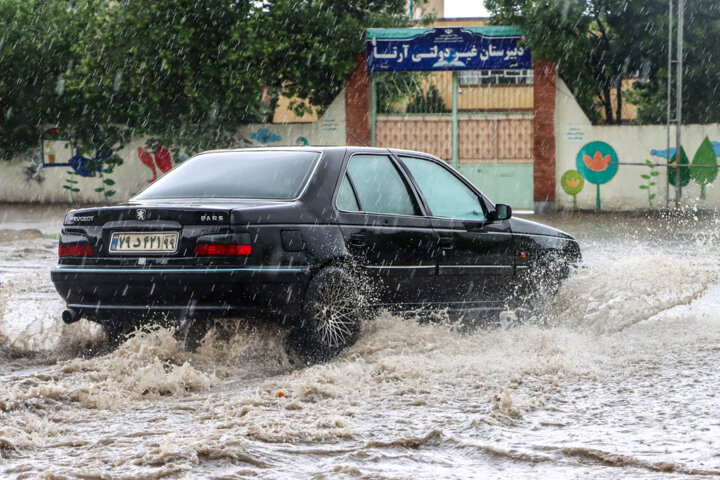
(595, 43)
(36, 40)
(429, 102)
(705, 157)
(684, 171)
(395, 88)
(177, 69)
(585, 38)
(189, 73)
(650, 181)
(306, 48)
(701, 54)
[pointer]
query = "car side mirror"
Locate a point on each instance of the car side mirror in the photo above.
(502, 212)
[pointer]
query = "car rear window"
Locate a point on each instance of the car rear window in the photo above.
(251, 174)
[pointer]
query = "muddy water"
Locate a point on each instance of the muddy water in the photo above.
(619, 378)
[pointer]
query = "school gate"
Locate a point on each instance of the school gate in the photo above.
(464, 94)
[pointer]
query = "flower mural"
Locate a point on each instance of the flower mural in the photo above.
(597, 162)
(572, 182)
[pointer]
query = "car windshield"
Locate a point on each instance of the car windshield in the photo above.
(250, 174)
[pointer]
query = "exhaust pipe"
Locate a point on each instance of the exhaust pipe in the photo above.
(70, 316)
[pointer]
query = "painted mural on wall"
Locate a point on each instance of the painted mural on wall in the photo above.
(703, 169)
(572, 182)
(58, 152)
(597, 162)
(46, 173)
(265, 136)
(649, 182)
(159, 160)
(33, 161)
(56, 149)
(679, 176)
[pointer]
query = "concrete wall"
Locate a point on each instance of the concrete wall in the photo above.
(631, 143)
(30, 178)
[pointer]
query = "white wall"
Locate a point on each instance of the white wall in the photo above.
(633, 143)
(17, 186)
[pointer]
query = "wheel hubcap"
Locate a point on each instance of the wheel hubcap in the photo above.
(336, 313)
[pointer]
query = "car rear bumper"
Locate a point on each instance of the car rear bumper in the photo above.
(97, 291)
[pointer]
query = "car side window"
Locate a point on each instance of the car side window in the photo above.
(379, 186)
(346, 197)
(446, 195)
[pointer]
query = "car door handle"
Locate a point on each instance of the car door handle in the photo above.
(357, 240)
(447, 243)
(471, 226)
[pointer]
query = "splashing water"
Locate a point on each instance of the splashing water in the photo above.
(617, 378)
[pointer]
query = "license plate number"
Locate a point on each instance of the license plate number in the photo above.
(143, 242)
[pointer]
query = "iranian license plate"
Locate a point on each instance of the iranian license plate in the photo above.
(143, 242)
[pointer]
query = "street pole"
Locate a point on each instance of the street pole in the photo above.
(678, 94)
(373, 110)
(455, 159)
(669, 99)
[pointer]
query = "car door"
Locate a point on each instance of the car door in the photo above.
(476, 266)
(384, 230)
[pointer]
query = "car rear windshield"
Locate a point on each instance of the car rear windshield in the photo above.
(273, 175)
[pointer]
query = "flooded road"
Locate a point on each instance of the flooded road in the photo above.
(619, 377)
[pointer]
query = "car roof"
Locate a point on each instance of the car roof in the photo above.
(349, 149)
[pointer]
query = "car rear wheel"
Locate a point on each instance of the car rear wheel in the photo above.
(332, 313)
(116, 331)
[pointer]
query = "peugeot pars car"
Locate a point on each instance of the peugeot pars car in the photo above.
(296, 235)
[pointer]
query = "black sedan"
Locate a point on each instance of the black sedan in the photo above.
(313, 237)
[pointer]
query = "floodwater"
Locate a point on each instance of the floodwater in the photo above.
(619, 378)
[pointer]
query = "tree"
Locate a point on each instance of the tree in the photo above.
(704, 168)
(701, 77)
(599, 43)
(181, 71)
(36, 39)
(187, 73)
(595, 43)
(430, 102)
(684, 171)
(309, 45)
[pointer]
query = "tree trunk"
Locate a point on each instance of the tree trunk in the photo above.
(607, 103)
(618, 91)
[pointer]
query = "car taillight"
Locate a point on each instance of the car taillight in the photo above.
(75, 251)
(206, 249)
